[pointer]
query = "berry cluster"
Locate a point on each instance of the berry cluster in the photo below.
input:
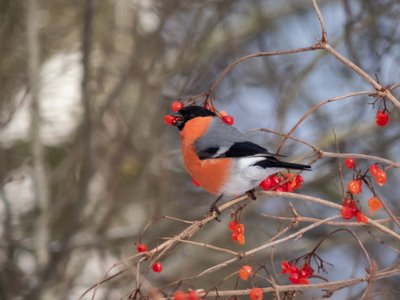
(350, 210)
(175, 107)
(296, 275)
(237, 230)
(256, 294)
(181, 295)
(273, 182)
(245, 272)
(354, 187)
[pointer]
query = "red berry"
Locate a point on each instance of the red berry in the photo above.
(350, 163)
(355, 186)
(193, 295)
(176, 105)
(347, 212)
(235, 236)
(288, 268)
(299, 180)
(141, 248)
(180, 295)
(350, 203)
(303, 280)
(349, 209)
(294, 278)
(361, 218)
(233, 225)
(281, 188)
(157, 267)
(169, 120)
(306, 270)
(381, 118)
(269, 182)
(256, 294)
(228, 119)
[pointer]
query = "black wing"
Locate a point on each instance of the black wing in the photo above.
(273, 162)
(239, 149)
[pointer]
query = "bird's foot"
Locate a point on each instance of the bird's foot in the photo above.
(214, 208)
(251, 194)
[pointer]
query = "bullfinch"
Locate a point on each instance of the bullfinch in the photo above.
(219, 157)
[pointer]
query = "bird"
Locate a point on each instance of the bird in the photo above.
(221, 158)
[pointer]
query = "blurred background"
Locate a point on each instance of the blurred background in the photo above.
(87, 161)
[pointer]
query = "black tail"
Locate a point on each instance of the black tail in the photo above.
(272, 162)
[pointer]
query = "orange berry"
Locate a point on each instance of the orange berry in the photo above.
(245, 272)
(240, 228)
(374, 169)
(241, 239)
(355, 186)
(374, 204)
(380, 178)
(256, 294)
(223, 113)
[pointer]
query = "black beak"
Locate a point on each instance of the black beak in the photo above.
(180, 121)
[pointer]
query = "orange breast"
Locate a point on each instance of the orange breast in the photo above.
(211, 174)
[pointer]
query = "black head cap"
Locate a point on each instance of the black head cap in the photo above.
(190, 112)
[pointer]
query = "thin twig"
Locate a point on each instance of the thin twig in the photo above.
(205, 245)
(336, 285)
(314, 108)
(332, 205)
(324, 38)
(312, 220)
(263, 247)
(258, 54)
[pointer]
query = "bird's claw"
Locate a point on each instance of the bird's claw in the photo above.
(214, 208)
(251, 194)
